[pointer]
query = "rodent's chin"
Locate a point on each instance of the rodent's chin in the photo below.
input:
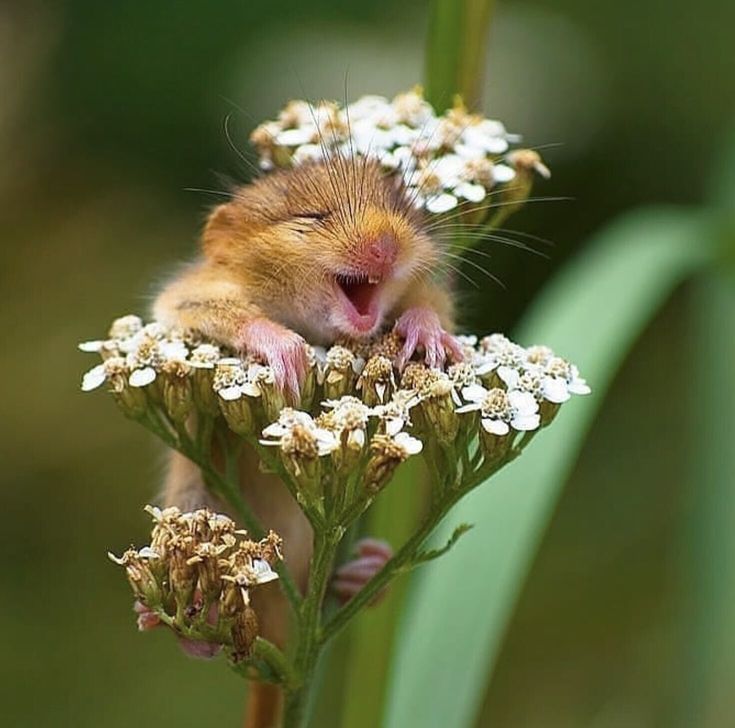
(355, 325)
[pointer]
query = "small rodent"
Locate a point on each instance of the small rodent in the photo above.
(320, 252)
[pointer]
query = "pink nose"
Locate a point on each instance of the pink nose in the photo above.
(383, 250)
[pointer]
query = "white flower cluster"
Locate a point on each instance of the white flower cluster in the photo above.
(444, 160)
(523, 378)
(353, 401)
(139, 352)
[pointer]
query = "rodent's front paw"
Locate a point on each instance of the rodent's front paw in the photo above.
(421, 329)
(282, 349)
(350, 578)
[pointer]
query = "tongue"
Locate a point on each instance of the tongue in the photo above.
(360, 294)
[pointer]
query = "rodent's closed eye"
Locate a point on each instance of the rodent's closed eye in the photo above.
(314, 215)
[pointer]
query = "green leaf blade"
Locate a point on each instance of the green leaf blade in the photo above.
(592, 313)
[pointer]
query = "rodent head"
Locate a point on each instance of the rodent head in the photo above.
(328, 248)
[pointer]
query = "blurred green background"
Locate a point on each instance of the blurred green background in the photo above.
(111, 110)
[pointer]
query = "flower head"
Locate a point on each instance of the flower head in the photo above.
(196, 565)
(501, 410)
(445, 161)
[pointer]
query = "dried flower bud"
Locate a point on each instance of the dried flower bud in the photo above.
(177, 392)
(200, 568)
(377, 382)
(341, 371)
(272, 395)
(387, 453)
(438, 407)
(139, 574)
(182, 574)
(206, 561)
(244, 631)
(389, 346)
(415, 376)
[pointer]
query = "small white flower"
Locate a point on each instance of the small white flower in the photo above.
(306, 134)
(205, 356)
(262, 572)
(229, 379)
(93, 347)
(279, 432)
(500, 410)
(308, 153)
(561, 380)
(396, 414)
(125, 327)
(114, 370)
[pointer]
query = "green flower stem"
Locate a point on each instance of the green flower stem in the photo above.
(276, 660)
(455, 52)
(399, 563)
(309, 644)
(404, 559)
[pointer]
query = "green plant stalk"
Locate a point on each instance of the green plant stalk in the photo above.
(309, 643)
(407, 556)
(455, 51)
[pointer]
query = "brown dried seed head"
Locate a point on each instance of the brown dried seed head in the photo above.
(415, 376)
(300, 441)
(389, 346)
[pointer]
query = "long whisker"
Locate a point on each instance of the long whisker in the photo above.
(472, 263)
(221, 193)
(234, 147)
(505, 203)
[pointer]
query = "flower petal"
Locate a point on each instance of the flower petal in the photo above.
(555, 390)
(142, 377)
(441, 203)
(94, 378)
(526, 422)
(495, 427)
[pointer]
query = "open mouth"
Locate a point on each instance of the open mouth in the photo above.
(360, 296)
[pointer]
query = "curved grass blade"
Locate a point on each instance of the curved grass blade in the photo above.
(458, 609)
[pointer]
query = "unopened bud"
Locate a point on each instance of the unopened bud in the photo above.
(182, 573)
(341, 371)
(377, 381)
(244, 631)
(177, 391)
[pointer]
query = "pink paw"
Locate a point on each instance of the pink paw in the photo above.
(283, 350)
(147, 620)
(350, 578)
(421, 329)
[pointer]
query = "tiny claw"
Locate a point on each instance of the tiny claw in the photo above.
(350, 578)
(421, 328)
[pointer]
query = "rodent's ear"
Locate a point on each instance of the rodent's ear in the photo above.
(221, 231)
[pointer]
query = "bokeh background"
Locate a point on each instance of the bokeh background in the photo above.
(111, 111)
